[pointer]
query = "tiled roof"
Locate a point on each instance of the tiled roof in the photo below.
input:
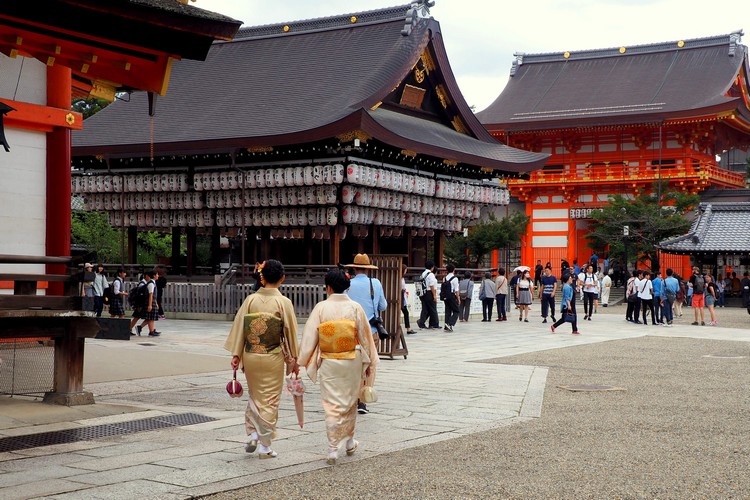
(626, 84)
(300, 82)
(718, 227)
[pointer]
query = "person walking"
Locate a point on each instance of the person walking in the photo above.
(670, 296)
(161, 284)
(465, 292)
(646, 295)
(149, 312)
(501, 294)
(590, 291)
(606, 288)
(263, 343)
(567, 305)
(681, 296)
(697, 282)
(745, 289)
(547, 294)
(513, 288)
(449, 295)
(658, 285)
(404, 306)
(368, 293)
(100, 284)
(429, 298)
(87, 281)
(116, 307)
(487, 294)
(711, 298)
(525, 294)
(338, 352)
(538, 271)
(631, 296)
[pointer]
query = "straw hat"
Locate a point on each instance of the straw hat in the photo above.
(88, 264)
(362, 261)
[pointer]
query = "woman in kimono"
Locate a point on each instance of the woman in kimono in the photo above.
(262, 341)
(338, 348)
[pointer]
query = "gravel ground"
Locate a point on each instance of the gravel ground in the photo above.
(678, 430)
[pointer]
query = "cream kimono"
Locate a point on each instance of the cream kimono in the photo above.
(338, 347)
(264, 320)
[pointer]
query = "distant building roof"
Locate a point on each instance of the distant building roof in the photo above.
(718, 228)
(307, 81)
(622, 85)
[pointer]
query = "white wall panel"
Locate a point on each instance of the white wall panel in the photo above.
(549, 241)
(550, 226)
(549, 213)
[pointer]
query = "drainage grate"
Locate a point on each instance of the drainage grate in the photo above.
(100, 431)
(591, 388)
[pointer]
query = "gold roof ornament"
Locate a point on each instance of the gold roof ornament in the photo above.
(681, 43)
(566, 55)
(622, 50)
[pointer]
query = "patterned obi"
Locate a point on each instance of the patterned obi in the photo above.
(262, 332)
(338, 339)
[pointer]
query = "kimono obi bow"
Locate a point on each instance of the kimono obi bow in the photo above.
(262, 332)
(338, 339)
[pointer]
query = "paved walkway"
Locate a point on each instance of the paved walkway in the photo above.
(185, 371)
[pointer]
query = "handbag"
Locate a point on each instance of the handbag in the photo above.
(570, 317)
(367, 394)
(376, 320)
(234, 388)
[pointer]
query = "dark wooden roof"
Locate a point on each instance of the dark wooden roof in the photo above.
(645, 83)
(718, 228)
(303, 82)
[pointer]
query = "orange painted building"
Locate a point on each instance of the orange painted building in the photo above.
(617, 121)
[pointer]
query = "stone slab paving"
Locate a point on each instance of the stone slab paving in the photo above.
(442, 391)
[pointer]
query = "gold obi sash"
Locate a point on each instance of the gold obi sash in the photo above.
(338, 339)
(262, 332)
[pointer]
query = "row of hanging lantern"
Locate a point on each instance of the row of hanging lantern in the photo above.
(265, 217)
(136, 183)
(317, 195)
(367, 197)
(145, 201)
(352, 214)
(310, 175)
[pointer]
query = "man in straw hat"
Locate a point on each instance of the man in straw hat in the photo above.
(367, 292)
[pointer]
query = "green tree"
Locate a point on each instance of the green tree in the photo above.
(92, 231)
(89, 106)
(484, 237)
(649, 220)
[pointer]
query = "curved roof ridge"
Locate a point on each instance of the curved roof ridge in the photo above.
(339, 21)
(730, 39)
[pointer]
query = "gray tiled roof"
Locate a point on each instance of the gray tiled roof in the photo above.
(645, 82)
(300, 82)
(718, 227)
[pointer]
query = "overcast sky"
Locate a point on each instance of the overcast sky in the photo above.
(481, 37)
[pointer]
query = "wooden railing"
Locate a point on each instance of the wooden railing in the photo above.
(703, 173)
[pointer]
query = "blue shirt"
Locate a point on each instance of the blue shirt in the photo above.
(658, 287)
(359, 292)
(567, 295)
(576, 269)
(672, 285)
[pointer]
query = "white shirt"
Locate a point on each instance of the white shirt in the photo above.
(430, 280)
(645, 287)
(590, 283)
(454, 282)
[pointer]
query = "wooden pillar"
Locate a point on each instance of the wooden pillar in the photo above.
(310, 242)
(191, 237)
(68, 369)
(439, 244)
(375, 240)
(133, 244)
(215, 248)
(409, 247)
(57, 230)
(336, 245)
(265, 244)
(176, 247)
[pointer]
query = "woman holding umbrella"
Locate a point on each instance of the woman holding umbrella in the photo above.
(338, 348)
(262, 341)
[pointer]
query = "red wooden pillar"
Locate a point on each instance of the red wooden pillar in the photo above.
(57, 233)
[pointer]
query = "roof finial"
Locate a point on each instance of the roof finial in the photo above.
(735, 38)
(517, 63)
(417, 10)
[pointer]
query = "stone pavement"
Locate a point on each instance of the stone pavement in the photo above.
(442, 391)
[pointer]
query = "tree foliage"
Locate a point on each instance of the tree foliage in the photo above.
(483, 238)
(89, 106)
(92, 231)
(649, 221)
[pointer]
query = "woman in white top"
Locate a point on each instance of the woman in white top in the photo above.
(524, 292)
(646, 295)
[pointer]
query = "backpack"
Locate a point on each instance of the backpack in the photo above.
(463, 288)
(138, 298)
(445, 288)
(698, 285)
(420, 284)
(109, 293)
